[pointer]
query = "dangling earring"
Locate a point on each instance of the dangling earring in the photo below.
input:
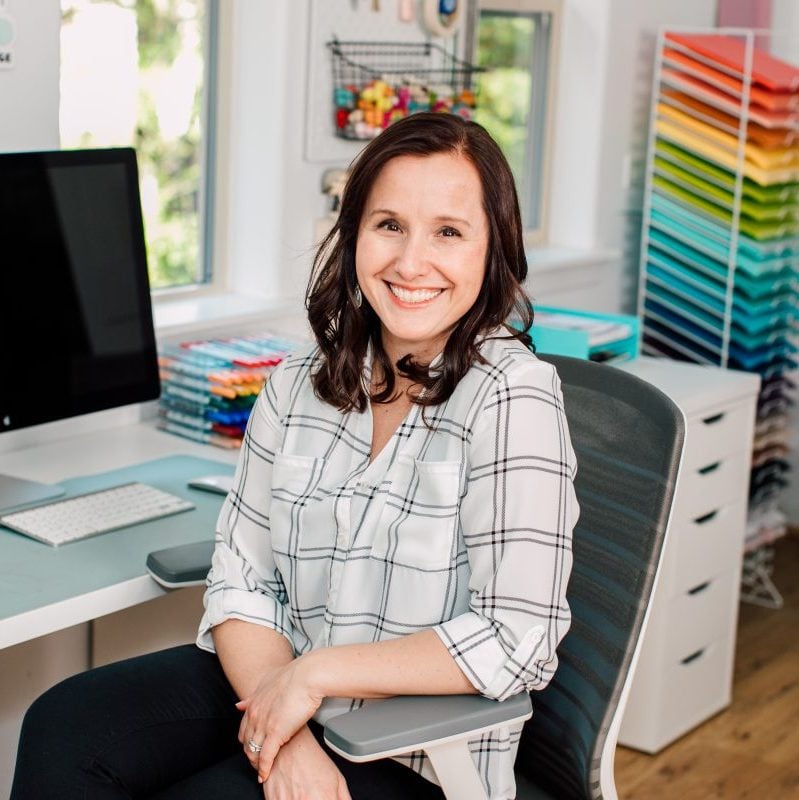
(358, 296)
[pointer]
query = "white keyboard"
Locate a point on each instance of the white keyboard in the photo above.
(75, 518)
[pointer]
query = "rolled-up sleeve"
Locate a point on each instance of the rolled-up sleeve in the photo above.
(517, 517)
(244, 582)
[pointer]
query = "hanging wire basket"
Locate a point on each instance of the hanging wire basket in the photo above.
(377, 83)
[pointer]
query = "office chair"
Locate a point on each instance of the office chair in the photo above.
(628, 438)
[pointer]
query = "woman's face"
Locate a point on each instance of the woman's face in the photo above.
(421, 250)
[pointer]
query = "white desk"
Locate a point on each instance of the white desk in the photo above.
(85, 455)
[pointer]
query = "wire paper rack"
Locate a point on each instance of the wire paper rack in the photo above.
(720, 240)
(376, 83)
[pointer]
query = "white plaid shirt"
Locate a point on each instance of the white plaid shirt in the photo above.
(463, 526)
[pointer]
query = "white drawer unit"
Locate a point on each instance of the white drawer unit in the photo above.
(684, 674)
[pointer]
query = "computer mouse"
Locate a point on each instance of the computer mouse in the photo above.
(219, 484)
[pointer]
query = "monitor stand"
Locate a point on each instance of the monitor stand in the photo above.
(18, 492)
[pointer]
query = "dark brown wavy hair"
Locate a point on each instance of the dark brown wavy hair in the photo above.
(343, 329)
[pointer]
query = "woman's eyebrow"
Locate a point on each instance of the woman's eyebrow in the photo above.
(449, 218)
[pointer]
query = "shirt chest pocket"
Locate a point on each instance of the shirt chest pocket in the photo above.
(419, 522)
(295, 485)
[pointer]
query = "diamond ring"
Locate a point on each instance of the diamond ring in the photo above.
(254, 747)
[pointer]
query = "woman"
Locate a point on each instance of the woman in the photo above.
(400, 521)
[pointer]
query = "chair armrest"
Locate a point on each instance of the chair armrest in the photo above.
(182, 565)
(403, 724)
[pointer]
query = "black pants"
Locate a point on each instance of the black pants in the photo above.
(161, 726)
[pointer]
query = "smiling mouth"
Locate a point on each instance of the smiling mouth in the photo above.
(415, 295)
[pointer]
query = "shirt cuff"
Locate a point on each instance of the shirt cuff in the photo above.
(476, 650)
(230, 603)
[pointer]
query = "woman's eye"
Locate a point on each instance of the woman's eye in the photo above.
(449, 232)
(388, 225)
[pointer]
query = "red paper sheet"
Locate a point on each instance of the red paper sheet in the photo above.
(774, 101)
(771, 73)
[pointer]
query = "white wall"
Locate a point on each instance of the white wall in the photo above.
(29, 91)
(273, 194)
(579, 119)
(785, 24)
(604, 87)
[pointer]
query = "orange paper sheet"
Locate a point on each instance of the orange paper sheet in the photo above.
(767, 138)
(782, 158)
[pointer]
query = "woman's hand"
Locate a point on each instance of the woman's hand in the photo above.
(279, 707)
(303, 771)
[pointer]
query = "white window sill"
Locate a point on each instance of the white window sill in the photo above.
(587, 279)
(546, 258)
(190, 316)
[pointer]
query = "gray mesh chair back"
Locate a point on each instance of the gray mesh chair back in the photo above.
(628, 437)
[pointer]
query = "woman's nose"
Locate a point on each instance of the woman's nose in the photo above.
(412, 258)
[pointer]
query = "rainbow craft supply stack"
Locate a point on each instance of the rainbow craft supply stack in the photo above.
(208, 388)
(720, 249)
(378, 83)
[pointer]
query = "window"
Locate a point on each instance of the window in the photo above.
(514, 41)
(141, 73)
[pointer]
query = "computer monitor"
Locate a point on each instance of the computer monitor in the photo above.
(76, 327)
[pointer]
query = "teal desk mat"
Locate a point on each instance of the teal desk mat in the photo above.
(34, 575)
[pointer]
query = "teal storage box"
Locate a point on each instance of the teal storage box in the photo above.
(585, 334)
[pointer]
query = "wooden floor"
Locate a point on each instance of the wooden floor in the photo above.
(750, 750)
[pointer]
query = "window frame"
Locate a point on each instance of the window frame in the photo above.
(211, 268)
(210, 150)
(541, 124)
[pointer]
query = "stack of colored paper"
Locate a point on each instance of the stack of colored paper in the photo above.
(720, 244)
(208, 388)
(610, 338)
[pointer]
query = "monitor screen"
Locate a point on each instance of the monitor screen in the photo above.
(76, 329)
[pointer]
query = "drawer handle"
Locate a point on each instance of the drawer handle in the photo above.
(706, 518)
(709, 468)
(693, 657)
(700, 588)
(714, 419)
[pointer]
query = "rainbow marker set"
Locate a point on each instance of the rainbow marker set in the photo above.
(208, 388)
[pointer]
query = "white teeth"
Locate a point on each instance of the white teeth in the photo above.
(416, 296)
